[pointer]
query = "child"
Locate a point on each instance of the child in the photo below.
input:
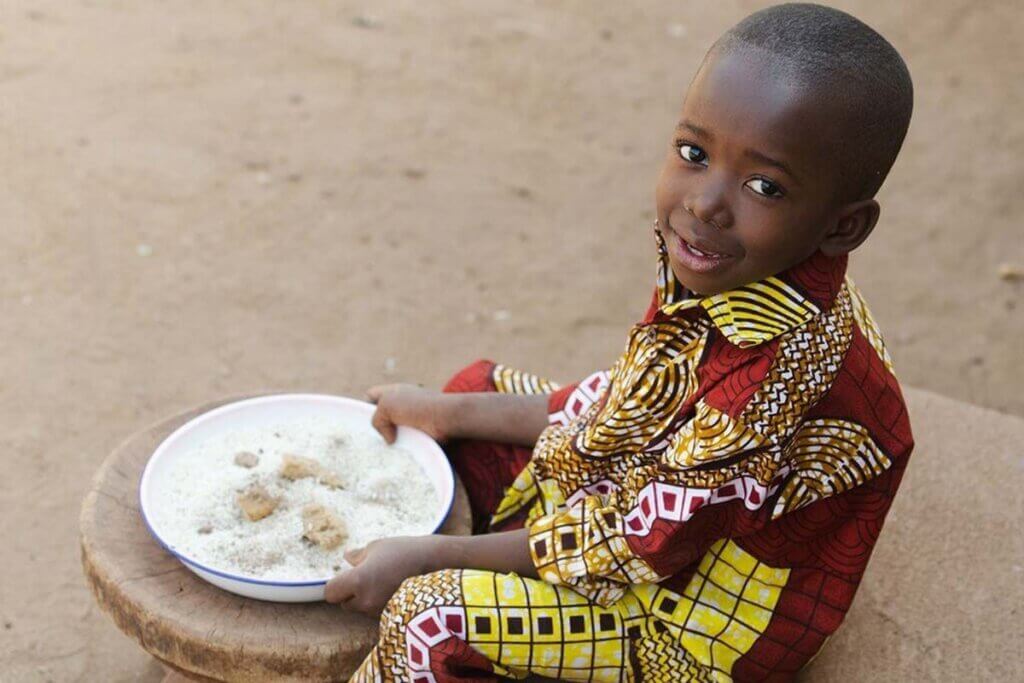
(704, 510)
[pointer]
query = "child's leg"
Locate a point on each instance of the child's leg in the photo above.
(468, 625)
(487, 468)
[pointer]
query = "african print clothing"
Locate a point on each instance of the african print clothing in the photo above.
(704, 510)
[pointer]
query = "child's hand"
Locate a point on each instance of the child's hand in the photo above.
(407, 404)
(381, 567)
(377, 571)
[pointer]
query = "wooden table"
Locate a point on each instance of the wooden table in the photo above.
(193, 628)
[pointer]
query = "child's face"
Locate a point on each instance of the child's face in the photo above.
(748, 188)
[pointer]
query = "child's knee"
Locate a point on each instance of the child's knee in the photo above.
(473, 378)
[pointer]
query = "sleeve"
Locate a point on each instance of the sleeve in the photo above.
(708, 484)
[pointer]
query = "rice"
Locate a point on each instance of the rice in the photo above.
(385, 493)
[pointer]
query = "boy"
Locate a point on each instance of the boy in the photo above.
(705, 509)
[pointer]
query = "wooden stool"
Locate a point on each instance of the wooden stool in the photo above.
(192, 627)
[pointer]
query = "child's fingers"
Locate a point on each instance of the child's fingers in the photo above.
(383, 424)
(341, 588)
(355, 556)
(373, 394)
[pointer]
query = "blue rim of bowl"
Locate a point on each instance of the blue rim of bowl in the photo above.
(245, 579)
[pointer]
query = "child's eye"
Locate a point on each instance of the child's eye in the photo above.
(764, 187)
(692, 153)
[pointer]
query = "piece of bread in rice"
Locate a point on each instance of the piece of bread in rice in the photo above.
(256, 502)
(323, 527)
(295, 467)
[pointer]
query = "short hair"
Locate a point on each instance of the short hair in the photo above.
(828, 50)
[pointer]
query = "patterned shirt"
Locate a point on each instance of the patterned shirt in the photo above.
(731, 473)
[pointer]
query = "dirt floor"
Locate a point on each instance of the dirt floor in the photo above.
(204, 198)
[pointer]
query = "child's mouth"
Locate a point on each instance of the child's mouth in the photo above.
(698, 260)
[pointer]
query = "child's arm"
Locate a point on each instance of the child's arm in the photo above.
(379, 568)
(508, 418)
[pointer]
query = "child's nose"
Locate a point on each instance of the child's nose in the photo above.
(709, 203)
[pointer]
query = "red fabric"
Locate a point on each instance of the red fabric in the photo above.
(486, 468)
(820, 277)
(558, 398)
(453, 660)
(730, 376)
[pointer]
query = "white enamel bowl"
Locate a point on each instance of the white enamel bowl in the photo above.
(346, 412)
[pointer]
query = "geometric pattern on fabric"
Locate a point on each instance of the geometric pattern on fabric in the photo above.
(828, 457)
(488, 469)
(446, 624)
(710, 435)
(389, 660)
(588, 541)
(529, 626)
(724, 609)
(477, 625)
(517, 496)
(806, 363)
(659, 659)
(584, 395)
(709, 460)
(654, 376)
(755, 313)
(657, 472)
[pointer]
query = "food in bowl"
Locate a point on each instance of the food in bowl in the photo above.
(282, 501)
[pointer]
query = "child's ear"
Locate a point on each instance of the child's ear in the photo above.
(852, 227)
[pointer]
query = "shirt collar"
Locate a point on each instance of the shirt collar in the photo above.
(760, 311)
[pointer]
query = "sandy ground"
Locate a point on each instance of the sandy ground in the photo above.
(203, 198)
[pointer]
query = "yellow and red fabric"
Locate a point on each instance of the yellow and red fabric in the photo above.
(712, 499)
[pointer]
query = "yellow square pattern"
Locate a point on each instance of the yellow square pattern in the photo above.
(771, 575)
(720, 599)
(572, 615)
(513, 612)
(475, 616)
(697, 645)
(607, 652)
(511, 594)
(696, 585)
(578, 655)
(546, 656)
(744, 563)
(723, 655)
(489, 650)
(708, 620)
(517, 656)
(478, 588)
(725, 576)
(759, 593)
(725, 607)
(553, 617)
